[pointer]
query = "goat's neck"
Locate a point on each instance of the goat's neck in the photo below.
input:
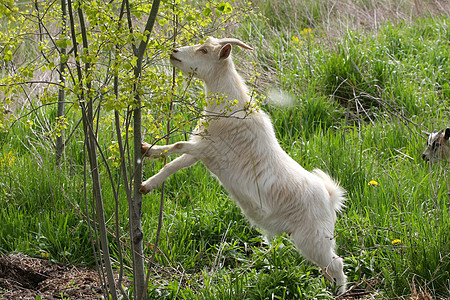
(227, 93)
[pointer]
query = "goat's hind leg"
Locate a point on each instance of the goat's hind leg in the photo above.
(153, 182)
(319, 248)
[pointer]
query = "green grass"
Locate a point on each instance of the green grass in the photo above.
(362, 99)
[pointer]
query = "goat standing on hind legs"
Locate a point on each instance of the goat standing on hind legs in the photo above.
(239, 147)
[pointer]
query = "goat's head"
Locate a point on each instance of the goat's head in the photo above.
(204, 60)
(438, 146)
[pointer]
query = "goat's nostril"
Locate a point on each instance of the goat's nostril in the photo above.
(175, 50)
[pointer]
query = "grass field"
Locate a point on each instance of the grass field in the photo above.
(364, 89)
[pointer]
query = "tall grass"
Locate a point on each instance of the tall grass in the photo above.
(367, 79)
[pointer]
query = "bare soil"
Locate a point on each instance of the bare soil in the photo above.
(23, 277)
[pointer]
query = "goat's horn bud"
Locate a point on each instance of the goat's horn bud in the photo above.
(235, 42)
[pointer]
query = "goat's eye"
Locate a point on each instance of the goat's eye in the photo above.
(203, 50)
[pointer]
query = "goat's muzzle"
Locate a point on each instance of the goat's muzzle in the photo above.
(172, 57)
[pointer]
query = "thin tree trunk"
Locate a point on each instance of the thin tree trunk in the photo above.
(138, 235)
(88, 124)
(96, 186)
(136, 222)
(61, 93)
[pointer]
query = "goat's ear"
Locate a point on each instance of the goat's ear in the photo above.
(447, 133)
(225, 51)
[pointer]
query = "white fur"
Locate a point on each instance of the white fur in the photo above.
(239, 146)
(438, 146)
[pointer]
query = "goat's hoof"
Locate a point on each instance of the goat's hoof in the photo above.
(144, 149)
(143, 190)
(149, 185)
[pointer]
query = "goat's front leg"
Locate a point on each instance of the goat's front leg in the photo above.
(153, 182)
(157, 151)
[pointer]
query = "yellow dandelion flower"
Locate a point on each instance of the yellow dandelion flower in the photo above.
(373, 182)
(396, 241)
(45, 255)
(307, 33)
(296, 41)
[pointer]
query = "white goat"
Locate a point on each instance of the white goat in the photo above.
(238, 145)
(438, 146)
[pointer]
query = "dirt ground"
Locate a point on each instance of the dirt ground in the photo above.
(23, 277)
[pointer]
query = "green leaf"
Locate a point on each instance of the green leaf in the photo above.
(64, 58)
(225, 7)
(8, 56)
(162, 21)
(62, 43)
(134, 61)
(207, 11)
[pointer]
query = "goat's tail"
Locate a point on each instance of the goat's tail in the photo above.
(337, 193)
